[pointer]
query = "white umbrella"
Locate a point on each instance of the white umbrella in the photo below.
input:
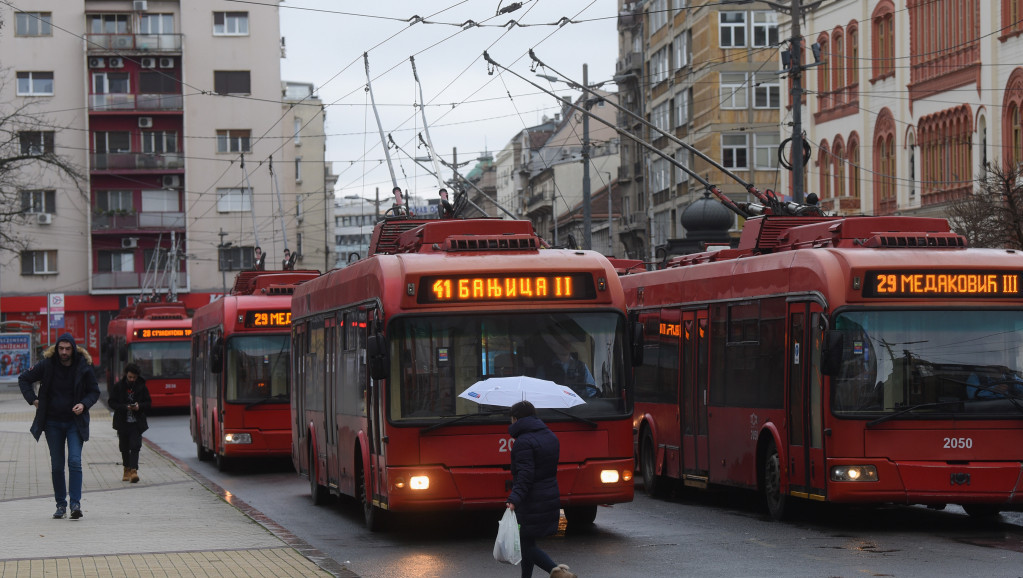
(507, 391)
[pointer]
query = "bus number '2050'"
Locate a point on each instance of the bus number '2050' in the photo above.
(958, 443)
(505, 444)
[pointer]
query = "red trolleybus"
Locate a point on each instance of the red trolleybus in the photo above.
(383, 348)
(857, 360)
(156, 337)
(239, 400)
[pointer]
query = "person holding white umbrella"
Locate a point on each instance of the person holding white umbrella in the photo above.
(535, 497)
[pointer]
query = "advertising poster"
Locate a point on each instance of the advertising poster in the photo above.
(15, 355)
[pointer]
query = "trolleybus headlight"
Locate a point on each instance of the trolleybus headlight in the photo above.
(853, 474)
(609, 476)
(237, 438)
(419, 482)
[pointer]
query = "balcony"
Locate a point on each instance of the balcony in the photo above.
(134, 102)
(131, 280)
(136, 161)
(633, 62)
(99, 43)
(163, 221)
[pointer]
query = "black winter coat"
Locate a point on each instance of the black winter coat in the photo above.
(86, 388)
(534, 468)
(118, 401)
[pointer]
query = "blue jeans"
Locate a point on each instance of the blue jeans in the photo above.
(59, 434)
(533, 556)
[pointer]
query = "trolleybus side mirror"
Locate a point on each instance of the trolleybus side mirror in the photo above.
(377, 357)
(217, 355)
(637, 343)
(831, 357)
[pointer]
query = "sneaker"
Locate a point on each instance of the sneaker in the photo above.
(60, 513)
(562, 571)
(76, 511)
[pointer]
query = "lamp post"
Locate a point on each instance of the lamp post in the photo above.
(610, 239)
(220, 256)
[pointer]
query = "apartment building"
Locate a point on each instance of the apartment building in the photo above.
(912, 102)
(191, 149)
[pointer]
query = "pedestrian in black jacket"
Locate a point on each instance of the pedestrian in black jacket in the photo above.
(535, 497)
(130, 400)
(67, 389)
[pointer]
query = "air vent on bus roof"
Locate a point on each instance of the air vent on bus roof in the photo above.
(915, 240)
(491, 243)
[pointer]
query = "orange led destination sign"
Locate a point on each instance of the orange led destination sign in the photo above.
(163, 332)
(952, 284)
(524, 287)
(259, 319)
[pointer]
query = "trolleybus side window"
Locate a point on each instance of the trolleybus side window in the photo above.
(750, 339)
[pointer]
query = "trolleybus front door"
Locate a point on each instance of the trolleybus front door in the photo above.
(805, 431)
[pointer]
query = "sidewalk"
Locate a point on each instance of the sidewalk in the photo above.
(175, 522)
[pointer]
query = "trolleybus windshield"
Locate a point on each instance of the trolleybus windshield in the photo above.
(257, 369)
(933, 363)
(163, 359)
(435, 358)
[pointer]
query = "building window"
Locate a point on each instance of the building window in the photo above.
(235, 258)
(156, 23)
(734, 153)
(297, 123)
(107, 23)
(658, 15)
(159, 141)
(682, 108)
(234, 199)
(112, 142)
(33, 24)
(160, 201)
(885, 172)
(765, 28)
(660, 117)
(298, 169)
(114, 201)
(681, 47)
(659, 66)
(824, 170)
(659, 175)
(36, 142)
(765, 150)
(683, 157)
(39, 201)
(766, 91)
(115, 261)
(232, 82)
(732, 29)
(854, 167)
(111, 83)
(233, 141)
(883, 24)
(733, 90)
(38, 262)
(853, 61)
(230, 23)
(35, 83)
(162, 82)
(838, 172)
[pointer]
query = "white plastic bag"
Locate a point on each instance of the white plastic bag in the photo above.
(507, 548)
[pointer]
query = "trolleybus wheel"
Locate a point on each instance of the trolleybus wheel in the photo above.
(372, 515)
(652, 483)
(982, 510)
(200, 453)
(773, 495)
(223, 463)
(580, 517)
(318, 492)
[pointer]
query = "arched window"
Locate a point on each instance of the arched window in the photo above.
(838, 170)
(837, 60)
(852, 54)
(823, 77)
(824, 171)
(853, 167)
(885, 172)
(1012, 11)
(946, 141)
(882, 22)
(1012, 129)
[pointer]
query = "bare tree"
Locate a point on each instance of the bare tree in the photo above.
(27, 159)
(993, 216)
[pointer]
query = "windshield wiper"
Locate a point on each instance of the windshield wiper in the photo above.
(588, 422)
(990, 387)
(914, 408)
(278, 397)
(455, 419)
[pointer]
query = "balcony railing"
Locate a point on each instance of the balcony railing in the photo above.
(143, 42)
(136, 161)
(145, 220)
(134, 280)
(104, 102)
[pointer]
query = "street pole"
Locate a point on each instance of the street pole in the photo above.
(796, 153)
(610, 239)
(587, 244)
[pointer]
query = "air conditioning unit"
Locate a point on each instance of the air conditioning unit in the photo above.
(148, 62)
(129, 242)
(166, 62)
(97, 63)
(44, 218)
(139, 5)
(116, 62)
(171, 181)
(145, 122)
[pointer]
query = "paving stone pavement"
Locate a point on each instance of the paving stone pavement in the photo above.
(198, 531)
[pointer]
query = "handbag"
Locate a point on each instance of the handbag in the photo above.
(507, 547)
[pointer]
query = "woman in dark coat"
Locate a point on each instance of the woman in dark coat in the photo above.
(534, 496)
(130, 400)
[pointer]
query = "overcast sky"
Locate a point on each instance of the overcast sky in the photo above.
(326, 39)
